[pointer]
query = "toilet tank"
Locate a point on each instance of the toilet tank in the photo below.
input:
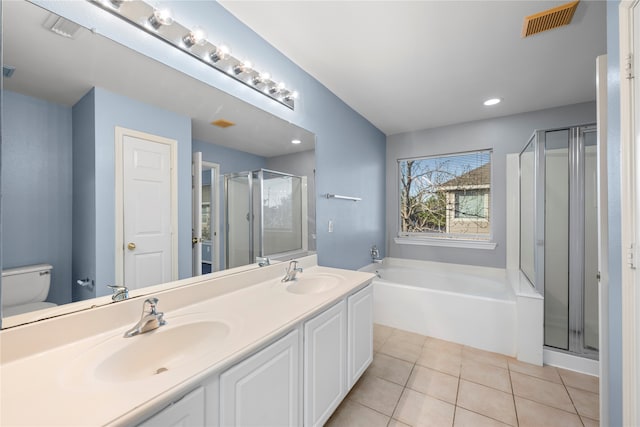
(24, 285)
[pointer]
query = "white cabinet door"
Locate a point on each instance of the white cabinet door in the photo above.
(187, 412)
(360, 318)
(325, 370)
(264, 390)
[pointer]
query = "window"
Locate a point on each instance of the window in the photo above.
(471, 204)
(446, 196)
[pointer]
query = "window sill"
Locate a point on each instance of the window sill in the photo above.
(449, 243)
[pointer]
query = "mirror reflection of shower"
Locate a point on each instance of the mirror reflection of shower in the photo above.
(558, 234)
(265, 214)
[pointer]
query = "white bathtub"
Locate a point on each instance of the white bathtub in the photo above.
(474, 306)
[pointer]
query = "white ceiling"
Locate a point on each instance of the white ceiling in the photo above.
(62, 70)
(409, 65)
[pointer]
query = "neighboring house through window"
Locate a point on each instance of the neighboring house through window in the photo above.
(446, 196)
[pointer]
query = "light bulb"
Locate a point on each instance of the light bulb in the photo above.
(160, 17)
(197, 36)
(220, 53)
(244, 67)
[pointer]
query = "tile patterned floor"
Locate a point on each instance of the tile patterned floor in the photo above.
(422, 381)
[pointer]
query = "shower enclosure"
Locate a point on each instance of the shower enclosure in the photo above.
(558, 234)
(266, 215)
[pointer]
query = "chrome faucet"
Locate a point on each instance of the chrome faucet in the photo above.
(120, 293)
(375, 254)
(291, 272)
(263, 261)
(149, 320)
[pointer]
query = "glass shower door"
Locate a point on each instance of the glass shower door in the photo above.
(239, 232)
(282, 213)
(556, 239)
(590, 319)
(558, 234)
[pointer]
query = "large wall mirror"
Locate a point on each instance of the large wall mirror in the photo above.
(119, 170)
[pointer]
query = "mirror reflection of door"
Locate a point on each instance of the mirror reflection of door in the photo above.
(210, 217)
(147, 208)
(205, 225)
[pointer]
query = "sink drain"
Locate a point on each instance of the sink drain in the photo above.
(161, 370)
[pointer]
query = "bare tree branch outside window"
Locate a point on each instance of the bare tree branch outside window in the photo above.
(446, 196)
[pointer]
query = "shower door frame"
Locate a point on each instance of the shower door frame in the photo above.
(227, 177)
(251, 176)
(575, 345)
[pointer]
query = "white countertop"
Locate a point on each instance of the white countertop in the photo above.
(56, 386)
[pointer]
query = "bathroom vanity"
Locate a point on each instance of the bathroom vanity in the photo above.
(241, 349)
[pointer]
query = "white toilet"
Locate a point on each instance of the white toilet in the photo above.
(25, 289)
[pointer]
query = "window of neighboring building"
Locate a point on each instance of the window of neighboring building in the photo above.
(446, 196)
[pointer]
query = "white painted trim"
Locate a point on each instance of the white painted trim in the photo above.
(603, 231)
(448, 243)
(120, 133)
(629, 217)
(215, 239)
(573, 363)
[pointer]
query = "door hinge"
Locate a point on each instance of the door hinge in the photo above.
(631, 256)
(628, 68)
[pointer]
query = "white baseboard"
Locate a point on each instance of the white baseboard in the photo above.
(570, 362)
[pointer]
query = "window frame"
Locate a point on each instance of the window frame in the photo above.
(462, 240)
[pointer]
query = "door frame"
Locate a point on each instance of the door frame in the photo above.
(215, 213)
(120, 133)
(630, 212)
(603, 232)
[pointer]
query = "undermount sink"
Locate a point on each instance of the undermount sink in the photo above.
(153, 353)
(313, 284)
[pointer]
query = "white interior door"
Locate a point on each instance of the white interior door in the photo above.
(145, 181)
(196, 211)
(630, 208)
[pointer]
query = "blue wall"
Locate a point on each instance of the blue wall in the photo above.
(350, 152)
(84, 195)
(36, 188)
(113, 110)
(614, 417)
(503, 135)
(230, 160)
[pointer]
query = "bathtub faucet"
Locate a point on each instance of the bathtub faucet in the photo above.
(291, 272)
(375, 254)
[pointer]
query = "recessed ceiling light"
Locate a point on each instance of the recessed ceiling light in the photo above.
(492, 101)
(296, 141)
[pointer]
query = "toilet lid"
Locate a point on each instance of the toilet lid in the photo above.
(12, 310)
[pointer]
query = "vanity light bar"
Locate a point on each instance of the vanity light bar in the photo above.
(160, 24)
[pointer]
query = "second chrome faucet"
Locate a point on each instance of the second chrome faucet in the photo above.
(151, 319)
(291, 271)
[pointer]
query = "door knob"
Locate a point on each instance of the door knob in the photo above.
(131, 246)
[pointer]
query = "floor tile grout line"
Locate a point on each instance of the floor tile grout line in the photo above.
(460, 378)
(402, 393)
(513, 395)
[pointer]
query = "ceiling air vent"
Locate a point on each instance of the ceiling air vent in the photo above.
(222, 123)
(549, 19)
(61, 26)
